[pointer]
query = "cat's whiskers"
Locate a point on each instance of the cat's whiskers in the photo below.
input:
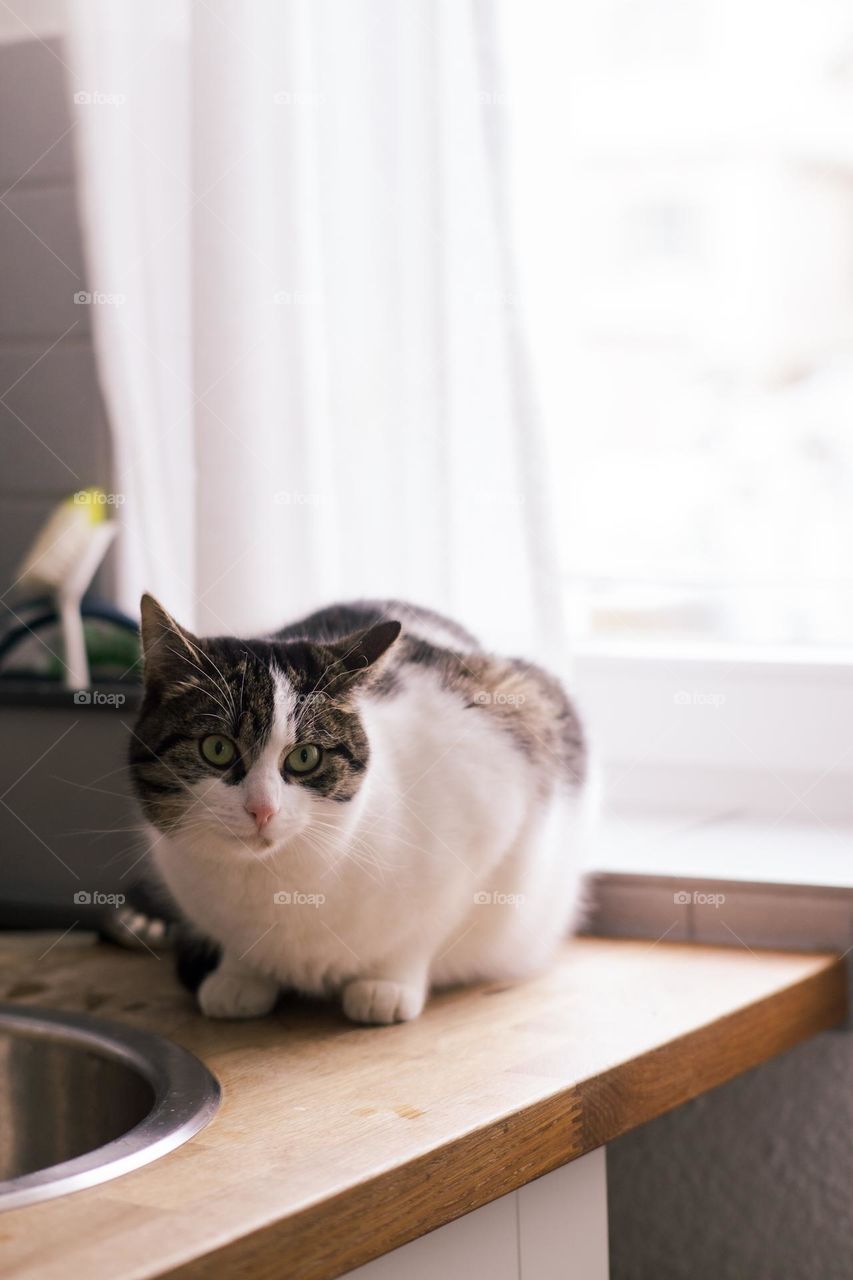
(319, 689)
(200, 652)
(387, 819)
(315, 839)
(243, 680)
(353, 846)
(227, 710)
(309, 698)
(339, 661)
(309, 708)
(127, 852)
(88, 786)
(221, 680)
(100, 832)
(182, 823)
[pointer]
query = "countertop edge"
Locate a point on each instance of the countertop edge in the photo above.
(395, 1206)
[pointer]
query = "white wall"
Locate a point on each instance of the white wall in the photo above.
(32, 18)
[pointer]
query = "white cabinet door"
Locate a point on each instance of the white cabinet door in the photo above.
(562, 1222)
(480, 1244)
(552, 1229)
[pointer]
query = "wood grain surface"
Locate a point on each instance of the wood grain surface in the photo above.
(336, 1143)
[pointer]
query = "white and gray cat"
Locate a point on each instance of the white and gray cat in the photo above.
(366, 805)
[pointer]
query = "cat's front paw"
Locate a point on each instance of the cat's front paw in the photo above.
(380, 1001)
(225, 994)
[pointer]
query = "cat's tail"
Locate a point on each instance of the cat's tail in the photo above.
(195, 957)
(150, 920)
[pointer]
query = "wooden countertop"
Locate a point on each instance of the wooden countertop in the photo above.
(336, 1143)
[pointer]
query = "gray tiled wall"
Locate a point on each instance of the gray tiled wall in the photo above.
(67, 822)
(52, 423)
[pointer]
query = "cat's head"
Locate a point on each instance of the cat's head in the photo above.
(247, 743)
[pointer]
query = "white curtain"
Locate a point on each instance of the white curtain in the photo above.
(314, 371)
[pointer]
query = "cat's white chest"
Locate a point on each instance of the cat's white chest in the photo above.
(291, 930)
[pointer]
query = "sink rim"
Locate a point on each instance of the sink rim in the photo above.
(186, 1097)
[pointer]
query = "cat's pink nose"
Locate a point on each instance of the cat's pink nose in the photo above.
(262, 811)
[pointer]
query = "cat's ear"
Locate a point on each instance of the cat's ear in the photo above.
(357, 654)
(166, 646)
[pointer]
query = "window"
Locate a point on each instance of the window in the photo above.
(683, 203)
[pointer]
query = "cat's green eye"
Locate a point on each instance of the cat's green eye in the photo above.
(304, 758)
(218, 751)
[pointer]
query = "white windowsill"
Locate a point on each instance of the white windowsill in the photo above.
(723, 879)
(725, 846)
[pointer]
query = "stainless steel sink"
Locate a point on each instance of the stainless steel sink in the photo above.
(83, 1100)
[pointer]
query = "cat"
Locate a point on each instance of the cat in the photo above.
(365, 805)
